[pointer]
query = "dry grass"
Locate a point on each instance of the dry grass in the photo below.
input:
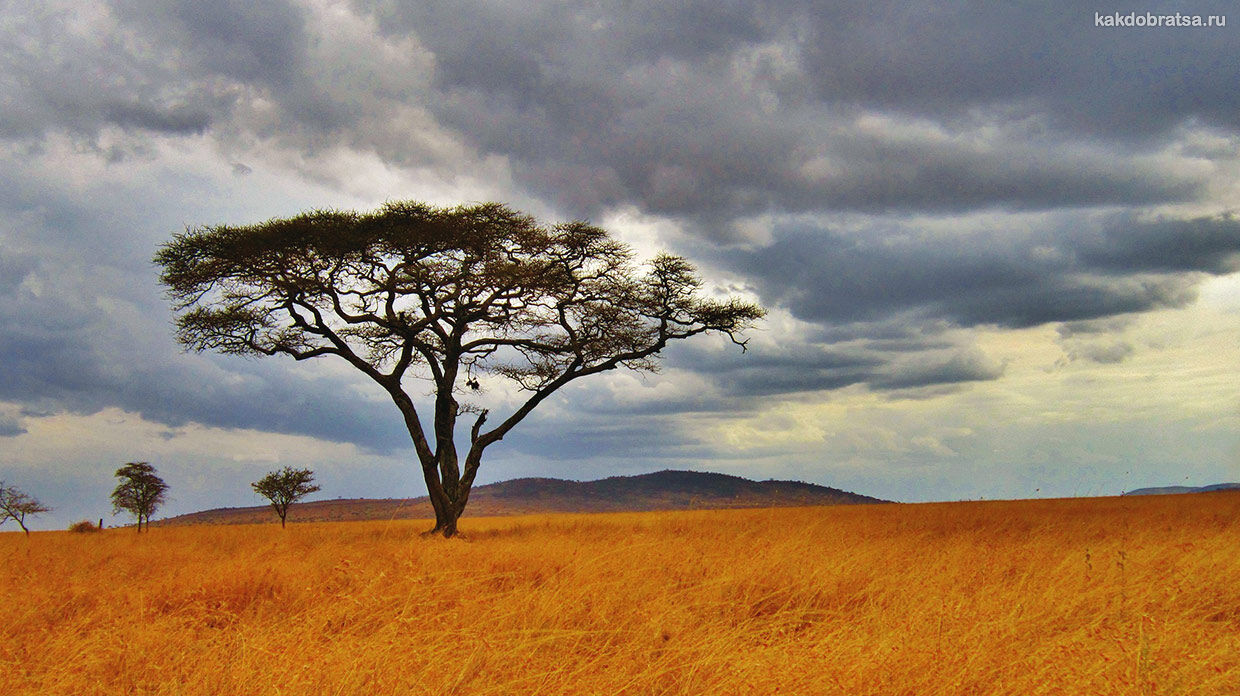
(1105, 596)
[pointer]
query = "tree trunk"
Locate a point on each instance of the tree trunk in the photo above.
(445, 522)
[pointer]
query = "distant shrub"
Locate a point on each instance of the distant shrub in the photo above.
(84, 527)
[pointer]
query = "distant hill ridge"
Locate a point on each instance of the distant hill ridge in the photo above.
(1166, 490)
(662, 490)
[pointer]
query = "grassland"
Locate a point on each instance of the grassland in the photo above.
(1101, 596)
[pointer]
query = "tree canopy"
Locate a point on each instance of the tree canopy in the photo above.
(284, 487)
(141, 491)
(16, 504)
(458, 296)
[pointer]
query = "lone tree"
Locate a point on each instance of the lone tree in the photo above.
(15, 504)
(141, 491)
(285, 487)
(464, 297)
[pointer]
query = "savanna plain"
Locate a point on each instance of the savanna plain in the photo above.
(1082, 596)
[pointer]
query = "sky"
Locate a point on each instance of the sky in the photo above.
(998, 244)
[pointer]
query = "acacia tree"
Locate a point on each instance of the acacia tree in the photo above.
(141, 491)
(463, 297)
(15, 504)
(284, 487)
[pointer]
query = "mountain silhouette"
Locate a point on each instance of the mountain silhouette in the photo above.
(1165, 490)
(662, 490)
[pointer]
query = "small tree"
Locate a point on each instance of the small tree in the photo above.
(15, 504)
(141, 491)
(285, 487)
(464, 297)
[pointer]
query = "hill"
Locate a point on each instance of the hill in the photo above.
(1166, 490)
(663, 490)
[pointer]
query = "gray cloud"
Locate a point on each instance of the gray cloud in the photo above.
(586, 437)
(13, 269)
(1073, 329)
(1081, 269)
(1108, 353)
(10, 427)
(1042, 60)
(701, 111)
(68, 353)
(262, 43)
(792, 366)
(178, 119)
(962, 366)
(67, 71)
(1207, 244)
(767, 107)
(885, 357)
(1093, 341)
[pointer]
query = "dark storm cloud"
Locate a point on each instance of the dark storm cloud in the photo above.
(703, 111)
(1080, 269)
(254, 42)
(916, 359)
(1041, 59)
(947, 174)
(69, 353)
(1209, 244)
(177, 120)
(788, 367)
(712, 110)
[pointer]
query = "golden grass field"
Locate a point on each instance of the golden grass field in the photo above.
(1089, 596)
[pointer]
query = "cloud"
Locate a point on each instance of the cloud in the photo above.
(747, 110)
(81, 354)
(262, 43)
(10, 426)
(1102, 353)
(1095, 341)
(585, 437)
(1047, 61)
(84, 326)
(74, 69)
(796, 107)
(1069, 269)
(1072, 329)
(1127, 245)
(962, 366)
(800, 363)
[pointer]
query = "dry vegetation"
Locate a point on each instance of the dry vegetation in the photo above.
(1105, 596)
